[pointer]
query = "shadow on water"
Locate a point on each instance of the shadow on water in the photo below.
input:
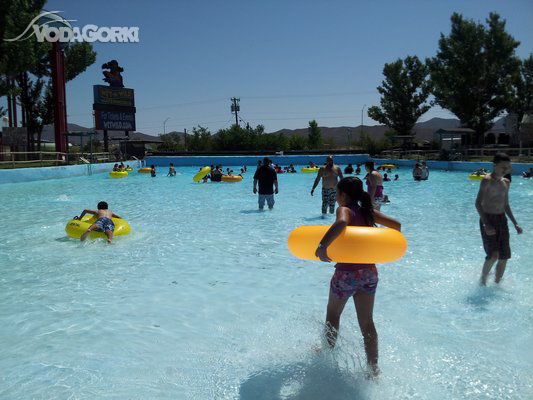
(317, 218)
(481, 297)
(304, 381)
(256, 211)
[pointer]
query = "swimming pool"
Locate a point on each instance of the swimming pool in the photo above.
(204, 301)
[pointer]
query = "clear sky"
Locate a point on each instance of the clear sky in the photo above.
(288, 61)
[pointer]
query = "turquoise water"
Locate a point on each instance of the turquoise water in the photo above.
(204, 301)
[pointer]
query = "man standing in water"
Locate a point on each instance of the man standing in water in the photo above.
(330, 175)
(492, 204)
(267, 179)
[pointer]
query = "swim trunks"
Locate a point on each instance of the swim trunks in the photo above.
(345, 284)
(105, 224)
(329, 197)
(498, 242)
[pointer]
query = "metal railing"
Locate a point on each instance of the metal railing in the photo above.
(21, 159)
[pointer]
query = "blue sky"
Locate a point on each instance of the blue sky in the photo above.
(288, 61)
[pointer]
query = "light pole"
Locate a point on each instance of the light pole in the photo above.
(349, 138)
(164, 125)
(362, 109)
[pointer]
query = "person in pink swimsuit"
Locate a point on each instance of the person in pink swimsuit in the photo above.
(358, 281)
(374, 182)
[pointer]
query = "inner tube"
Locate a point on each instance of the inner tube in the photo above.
(475, 177)
(387, 166)
(231, 178)
(129, 169)
(200, 175)
(75, 228)
(356, 244)
(144, 170)
(118, 174)
(309, 170)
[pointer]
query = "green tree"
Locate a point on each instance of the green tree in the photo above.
(473, 72)
(404, 93)
(523, 99)
(170, 142)
(297, 142)
(200, 140)
(314, 136)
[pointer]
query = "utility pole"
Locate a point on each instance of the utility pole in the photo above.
(235, 108)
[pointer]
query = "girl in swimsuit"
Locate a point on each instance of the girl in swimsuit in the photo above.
(358, 281)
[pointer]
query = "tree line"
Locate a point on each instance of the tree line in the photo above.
(26, 67)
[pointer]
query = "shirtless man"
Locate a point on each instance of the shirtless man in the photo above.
(374, 183)
(492, 204)
(330, 175)
(103, 223)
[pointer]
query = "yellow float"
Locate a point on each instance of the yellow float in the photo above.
(144, 170)
(309, 170)
(200, 175)
(118, 174)
(129, 169)
(475, 177)
(75, 228)
(231, 178)
(356, 244)
(387, 166)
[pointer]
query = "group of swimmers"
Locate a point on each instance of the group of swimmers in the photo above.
(121, 167)
(358, 207)
(421, 171)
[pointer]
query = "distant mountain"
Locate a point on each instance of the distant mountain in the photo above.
(340, 136)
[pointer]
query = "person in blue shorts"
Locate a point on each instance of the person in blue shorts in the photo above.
(103, 223)
(267, 179)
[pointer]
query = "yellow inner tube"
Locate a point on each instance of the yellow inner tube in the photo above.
(231, 178)
(144, 170)
(75, 228)
(118, 174)
(356, 244)
(310, 170)
(200, 175)
(475, 177)
(388, 166)
(129, 169)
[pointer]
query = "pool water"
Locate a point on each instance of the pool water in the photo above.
(204, 301)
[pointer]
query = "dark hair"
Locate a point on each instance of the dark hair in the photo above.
(102, 205)
(353, 187)
(500, 157)
(266, 160)
(152, 166)
(370, 164)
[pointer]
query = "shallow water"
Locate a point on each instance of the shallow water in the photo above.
(203, 300)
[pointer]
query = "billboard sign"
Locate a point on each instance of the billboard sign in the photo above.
(113, 96)
(115, 120)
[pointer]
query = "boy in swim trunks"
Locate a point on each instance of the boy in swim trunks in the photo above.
(330, 175)
(492, 204)
(103, 223)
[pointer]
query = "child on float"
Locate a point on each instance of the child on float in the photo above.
(358, 281)
(103, 223)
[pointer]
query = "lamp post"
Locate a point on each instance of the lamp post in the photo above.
(362, 109)
(164, 125)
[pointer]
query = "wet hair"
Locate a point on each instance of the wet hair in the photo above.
(353, 188)
(102, 205)
(266, 161)
(500, 157)
(370, 164)
(152, 166)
